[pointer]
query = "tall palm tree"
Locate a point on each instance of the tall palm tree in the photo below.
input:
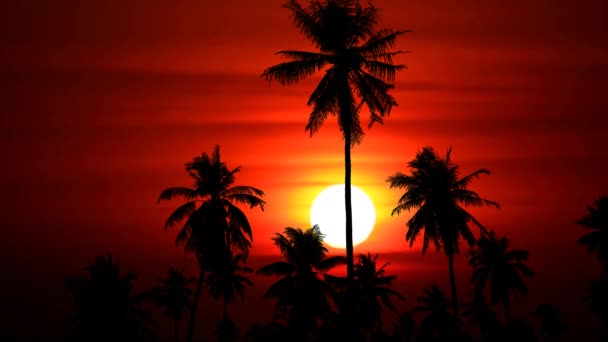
(597, 240)
(213, 224)
(228, 281)
(357, 58)
(436, 191)
(501, 269)
(302, 293)
(106, 308)
(174, 295)
(373, 291)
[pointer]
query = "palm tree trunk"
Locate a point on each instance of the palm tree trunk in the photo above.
(175, 330)
(349, 209)
(453, 285)
(197, 294)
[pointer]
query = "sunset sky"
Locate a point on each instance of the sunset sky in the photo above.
(103, 102)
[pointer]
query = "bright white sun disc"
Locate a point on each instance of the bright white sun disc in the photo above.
(329, 213)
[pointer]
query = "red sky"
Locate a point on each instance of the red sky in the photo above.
(103, 102)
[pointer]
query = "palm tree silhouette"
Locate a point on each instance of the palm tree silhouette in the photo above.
(228, 281)
(174, 295)
(597, 240)
(551, 321)
(106, 308)
(213, 224)
(501, 269)
(481, 316)
(436, 191)
(302, 292)
(438, 324)
(226, 330)
(597, 299)
(359, 70)
(372, 291)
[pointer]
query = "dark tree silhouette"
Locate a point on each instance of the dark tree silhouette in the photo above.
(405, 329)
(551, 321)
(174, 295)
(228, 281)
(372, 291)
(438, 194)
(226, 330)
(500, 269)
(481, 316)
(597, 299)
(106, 308)
(358, 61)
(213, 224)
(597, 240)
(302, 293)
(438, 324)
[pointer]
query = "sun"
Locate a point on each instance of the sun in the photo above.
(328, 212)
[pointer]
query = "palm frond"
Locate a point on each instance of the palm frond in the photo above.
(177, 192)
(279, 268)
(330, 262)
(180, 213)
(381, 42)
(289, 73)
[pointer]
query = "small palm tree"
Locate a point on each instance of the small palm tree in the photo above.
(373, 291)
(481, 316)
(438, 323)
(213, 224)
(302, 292)
(174, 295)
(551, 322)
(228, 281)
(501, 269)
(106, 308)
(597, 221)
(436, 191)
(359, 71)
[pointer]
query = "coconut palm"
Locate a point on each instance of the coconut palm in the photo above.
(229, 281)
(106, 308)
(499, 268)
(357, 58)
(481, 316)
(174, 295)
(551, 322)
(302, 292)
(436, 191)
(597, 240)
(213, 224)
(372, 291)
(438, 323)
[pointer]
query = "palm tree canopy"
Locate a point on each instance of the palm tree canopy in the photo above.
(303, 284)
(597, 221)
(435, 189)
(229, 281)
(504, 269)
(106, 308)
(210, 215)
(357, 58)
(174, 293)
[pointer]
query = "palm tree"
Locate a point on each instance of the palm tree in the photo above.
(597, 240)
(597, 299)
(372, 291)
(481, 316)
(551, 322)
(174, 295)
(228, 281)
(436, 191)
(302, 292)
(213, 224)
(358, 61)
(106, 308)
(501, 269)
(438, 323)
